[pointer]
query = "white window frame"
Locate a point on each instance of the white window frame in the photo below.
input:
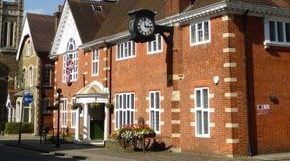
(267, 33)
(154, 109)
(203, 110)
(123, 52)
(30, 76)
(73, 118)
(121, 111)
(63, 113)
(73, 53)
(95, 62)
(158, 39)
(195, 24)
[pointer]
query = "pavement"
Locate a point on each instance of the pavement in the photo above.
(98, 153)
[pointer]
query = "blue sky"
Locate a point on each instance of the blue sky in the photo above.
(42, 6)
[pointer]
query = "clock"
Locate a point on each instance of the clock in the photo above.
(142, 25)
(145, 26)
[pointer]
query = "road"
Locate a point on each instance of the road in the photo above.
(15, 154)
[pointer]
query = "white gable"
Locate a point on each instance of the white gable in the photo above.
(66, 30)
(25, 32)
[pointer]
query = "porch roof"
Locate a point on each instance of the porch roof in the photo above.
(92, 90)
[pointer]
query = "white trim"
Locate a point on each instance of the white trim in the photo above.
(232, 125)
(218, 8)
(156, 43)
(231, 94)
(175, 110)
(195, 23)
(229, 35)
(231, 80)
(155, 110)
(202, 109)
(229, 50)
(123, 48)
(175, 135)
(231, 110)
(95, 51)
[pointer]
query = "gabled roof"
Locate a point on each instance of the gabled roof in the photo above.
(87, 20)
(118, 19)
(42, 31)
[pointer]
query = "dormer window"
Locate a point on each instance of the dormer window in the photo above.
(97, 8)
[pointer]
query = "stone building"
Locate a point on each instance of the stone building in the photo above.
(11, 15)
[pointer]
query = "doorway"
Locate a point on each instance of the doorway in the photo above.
(97, 115)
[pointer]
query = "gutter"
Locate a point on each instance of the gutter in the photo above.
(251, 150)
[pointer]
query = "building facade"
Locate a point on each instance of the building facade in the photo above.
(35, 74)
(10, 22)
(216, 84)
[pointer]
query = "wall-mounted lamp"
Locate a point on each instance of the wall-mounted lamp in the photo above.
(216, 80)
(274, 99)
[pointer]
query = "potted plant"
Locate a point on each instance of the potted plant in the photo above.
(110, 106)
(76, 105)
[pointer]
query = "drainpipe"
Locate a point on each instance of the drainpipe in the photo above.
(248, 80)
(109, 76)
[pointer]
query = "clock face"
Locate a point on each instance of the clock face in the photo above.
(145, 26)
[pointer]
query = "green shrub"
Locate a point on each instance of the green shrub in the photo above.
(2, 126)
(13, 128)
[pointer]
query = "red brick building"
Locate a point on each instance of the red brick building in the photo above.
(216, 85)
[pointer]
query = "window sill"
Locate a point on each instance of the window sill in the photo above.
(268, 44)
(154, 52)
(202, 136)
(127, 58)
(200, 43)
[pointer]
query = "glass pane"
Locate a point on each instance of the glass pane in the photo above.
(152, 100)
(200, 32)
(124, 118)
(193, 33)
(149, 47)
(287, 28)
(128, 118)
(280, 32)
(152, 122)
(272, 31)
(157, 120)
(157, 100)
(117, 101)
(121, 101)
(132, 101)
(206, 31)
(199, 122)
(133, 48)
(124, 101)
(120, 119)
(159, 41)
(205, 98)
(128, 101)
(205, 122)
(198, 97)
(132, 118)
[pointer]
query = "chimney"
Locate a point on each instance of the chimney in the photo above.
(177, 6)
(57, 15)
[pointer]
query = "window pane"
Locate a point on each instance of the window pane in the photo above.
(199, 122)
(117, 120)
(121, 101)
(198, 97)
(272, 31)
(206, 31)
(193, 33)
(117, 101)
(157, 101)
(280, 32)
(128, 118)
(287, 28)
(157, 120)
(159, 42)
(132, 118)
(205, 122)
(120, 119)
(205, 98)
(124, 101)
(152, 119)
(200, 32)
(132, 101)
(152, 100)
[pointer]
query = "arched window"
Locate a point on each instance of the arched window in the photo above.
(70, 62)
(29, 47)
(30, 77)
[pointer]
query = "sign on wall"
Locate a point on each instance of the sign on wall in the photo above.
(263, 109)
